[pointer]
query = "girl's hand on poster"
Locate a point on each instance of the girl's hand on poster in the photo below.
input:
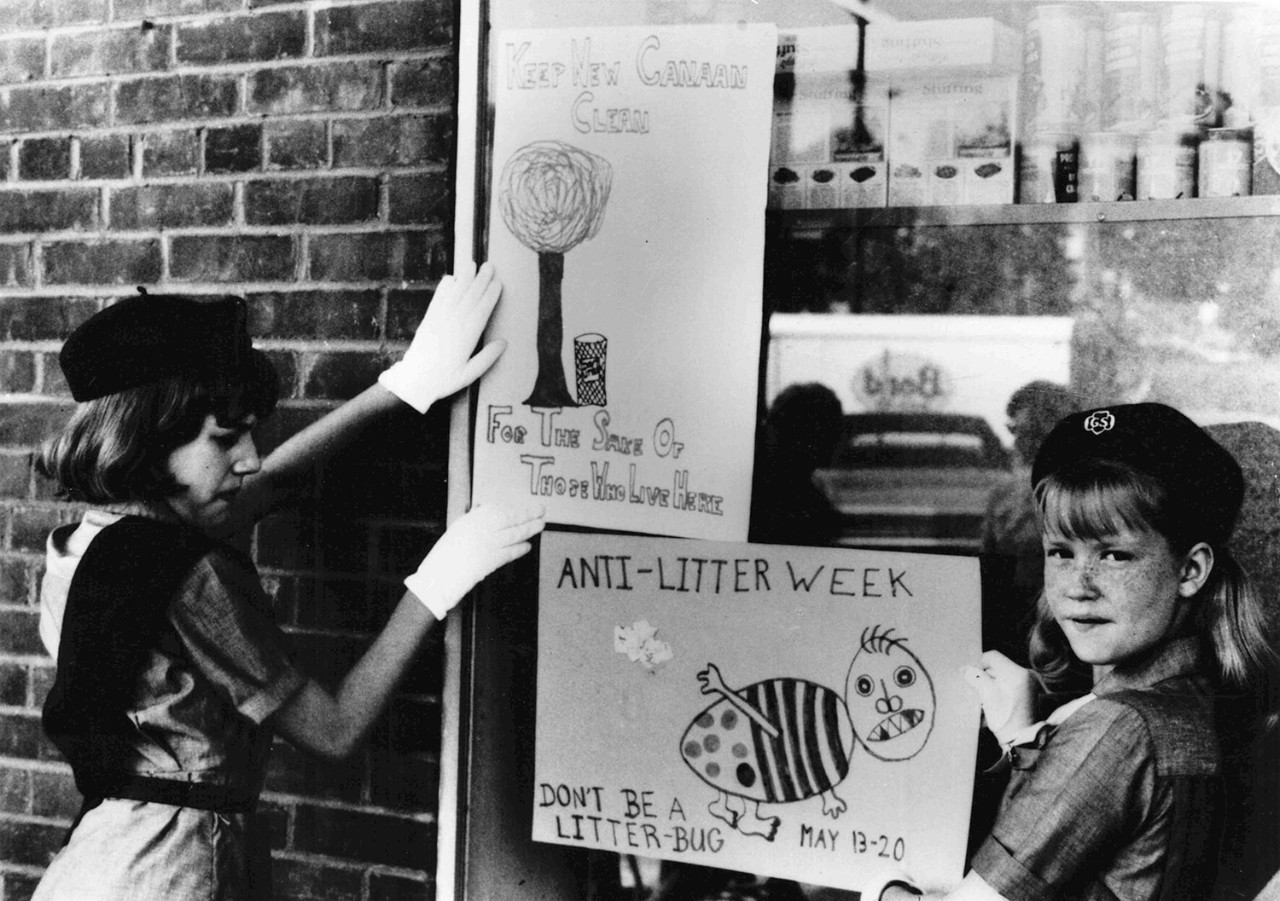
(440, 358)
(1007, 692)
(481, 541)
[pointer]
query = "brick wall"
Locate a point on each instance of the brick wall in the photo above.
(299, 154)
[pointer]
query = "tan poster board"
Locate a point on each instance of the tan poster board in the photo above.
(795, 712)
(627, 224)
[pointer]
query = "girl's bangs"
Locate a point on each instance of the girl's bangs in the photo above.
(1094, 501)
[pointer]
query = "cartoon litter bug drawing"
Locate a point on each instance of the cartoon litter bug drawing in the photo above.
(784, 740)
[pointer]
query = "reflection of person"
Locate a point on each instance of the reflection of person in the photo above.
(172, 676)
(800, 435)
(1009, 525)
(1118, 793)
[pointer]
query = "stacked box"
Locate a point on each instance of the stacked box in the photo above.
(976, 45)
(829, 126)
(951, 140)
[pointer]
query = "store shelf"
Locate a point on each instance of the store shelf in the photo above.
(798, 222)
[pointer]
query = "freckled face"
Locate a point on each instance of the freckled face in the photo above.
(1116, 597)
(891, 702)
(210, 470)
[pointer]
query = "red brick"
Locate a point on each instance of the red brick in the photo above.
(54, 795)
(29, 527)
(13, 690)
(385, 887)
(286, 542)
(341, 375)
(431, 82)
(404, 312)
(422, 198)
(16, 581)
(102, 263)
(314, 201)
(21, 736)
(107, 156)
(42, 318)
(404, 782)
(170, 153)
(286, 367)
(53, 383)
(44, 159)
(171, 206)
(382, 26)
(232, 258)
(397, 141)
(17, 376)
(365, 837)
(243, 39)
(44, 13)
(140, 9)
(296, 145)
(15, 470)
(15, 265)
(44, 211)
(114, 52)
(328, 88)
(313, 882)
(292, 772)
(172, 97)
(41, 682)
(18, 886)
(21, 60)
(336, 603)
(315, 315)
(25, 425)
(375, 257)
(55, 109)
(237, 149)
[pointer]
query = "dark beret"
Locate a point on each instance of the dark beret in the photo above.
(143, 339)
(1155, 439)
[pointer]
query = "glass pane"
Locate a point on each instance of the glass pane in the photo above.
(1180, 303)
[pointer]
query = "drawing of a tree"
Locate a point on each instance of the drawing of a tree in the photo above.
(552, 196)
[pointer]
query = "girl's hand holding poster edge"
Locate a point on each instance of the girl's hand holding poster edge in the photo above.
(627, 222)
(795, 712)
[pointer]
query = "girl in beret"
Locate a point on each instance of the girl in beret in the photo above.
(1119, 793)
(172, 676)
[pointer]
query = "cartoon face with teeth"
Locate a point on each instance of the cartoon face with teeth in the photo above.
(890, 697)
(785, 739)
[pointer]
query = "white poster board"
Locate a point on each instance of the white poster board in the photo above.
(795, 712)
(627, 225)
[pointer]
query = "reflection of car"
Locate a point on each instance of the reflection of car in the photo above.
(914, 481)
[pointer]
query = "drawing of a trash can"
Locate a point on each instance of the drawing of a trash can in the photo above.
(588, 361)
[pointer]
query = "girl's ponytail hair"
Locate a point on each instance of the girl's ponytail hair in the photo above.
(1231, 616)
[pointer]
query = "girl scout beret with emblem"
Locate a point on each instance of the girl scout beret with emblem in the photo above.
(1155, 439)
(143, 339)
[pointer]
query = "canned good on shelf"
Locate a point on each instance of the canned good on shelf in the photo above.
(1131, 70)
(1167, 164)
(1226, 162)
(1107, 161)
(1048, 170)
(1061, 89)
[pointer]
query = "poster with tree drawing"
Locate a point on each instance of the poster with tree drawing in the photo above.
(626, 221)
(795, 712)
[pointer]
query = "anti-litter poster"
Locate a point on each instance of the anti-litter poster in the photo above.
(795, 712)
(628, 188)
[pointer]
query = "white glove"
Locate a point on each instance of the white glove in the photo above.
(439, 360)
(475, 545)
(1007, 692)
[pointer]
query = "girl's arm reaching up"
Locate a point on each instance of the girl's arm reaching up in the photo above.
(441, 360)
